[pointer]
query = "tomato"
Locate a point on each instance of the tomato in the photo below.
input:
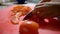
(29, 27)
(17, 12)
(15, 20)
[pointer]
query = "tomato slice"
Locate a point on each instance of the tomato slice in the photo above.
(15, 20)
(19, 11)
(29, 27)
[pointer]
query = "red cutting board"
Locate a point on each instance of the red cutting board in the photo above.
(6, 27)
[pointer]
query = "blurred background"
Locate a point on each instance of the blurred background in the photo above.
(5, 3)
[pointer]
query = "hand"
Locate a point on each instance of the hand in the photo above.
(47, 10)
(44, 1)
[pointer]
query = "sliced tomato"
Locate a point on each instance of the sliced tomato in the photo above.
(15, 20)
(19, 11)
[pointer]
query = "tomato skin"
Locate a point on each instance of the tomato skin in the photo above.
(29, 27)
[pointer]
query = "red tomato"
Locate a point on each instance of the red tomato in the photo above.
(29, 27)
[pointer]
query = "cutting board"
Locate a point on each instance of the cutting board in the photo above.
(6, 27)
